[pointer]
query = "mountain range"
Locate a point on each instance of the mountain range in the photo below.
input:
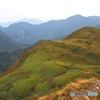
(55, 29)
(52, 65)
(31, 21)
(7, 44)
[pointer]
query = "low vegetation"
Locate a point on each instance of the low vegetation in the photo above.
(80, 85)
(51, 65)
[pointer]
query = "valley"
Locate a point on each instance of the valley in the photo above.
(49, 49)
(27, 33)
(51, 65)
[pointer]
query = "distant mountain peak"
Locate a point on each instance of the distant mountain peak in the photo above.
(51, 30)
(7, 44)
(78, 16)
(52, 65)
(30, 20)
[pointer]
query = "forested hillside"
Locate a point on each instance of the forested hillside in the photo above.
(52, 65)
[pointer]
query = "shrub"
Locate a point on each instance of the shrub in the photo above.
(8, 86)
(53, 86)
(32, 88)
(50, 80)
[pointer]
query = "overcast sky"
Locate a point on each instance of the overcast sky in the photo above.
(11, 10)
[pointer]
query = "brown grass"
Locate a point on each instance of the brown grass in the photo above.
(79, 85)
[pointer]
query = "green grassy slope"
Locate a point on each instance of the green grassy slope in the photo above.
(51, 65)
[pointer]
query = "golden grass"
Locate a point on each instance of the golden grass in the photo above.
(77, 86)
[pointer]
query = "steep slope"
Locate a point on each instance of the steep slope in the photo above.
(6, 44)
(7, 59)
(54, 29)
(51, 65)
(80, 85)
(21, 31)
(87, 34)
(1, 27)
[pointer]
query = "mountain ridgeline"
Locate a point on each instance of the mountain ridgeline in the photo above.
(10, 51)
(7, 44)
(51, 65)
(31, 21)
(55, 29)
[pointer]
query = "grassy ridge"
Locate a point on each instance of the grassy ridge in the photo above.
(51, 65)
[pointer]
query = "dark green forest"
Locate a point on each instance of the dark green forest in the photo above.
(7, 59)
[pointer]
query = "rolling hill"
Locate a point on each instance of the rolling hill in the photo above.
(54, 29)
(7, 44)
(51, 65)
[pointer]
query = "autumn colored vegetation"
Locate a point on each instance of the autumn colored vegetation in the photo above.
(52, 65)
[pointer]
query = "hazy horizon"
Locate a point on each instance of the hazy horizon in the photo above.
(45, 10)
(18, 20)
